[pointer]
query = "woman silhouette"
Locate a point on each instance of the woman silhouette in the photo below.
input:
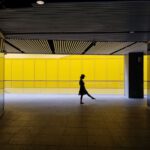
(83, 90)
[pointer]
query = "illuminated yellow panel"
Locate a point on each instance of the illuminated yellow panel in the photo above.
(51, 69)
(1, 73)
(145, 72)
(100, 69)
(148, 74)
(28, 84)
(74, 84)
(148, 66)
(75, 69)
(64, 73)
(17, 69)
(8, 69)
(8, 73)
(1, 67)
(17, 84)
(8, 84)
(40, 84)
(88, 69)
(64, 70)
(115, 73)
(145, 67)
(114, 69)
(52, 84)
(63, 84)
(40, 69)
(28, 66)
(75, 72)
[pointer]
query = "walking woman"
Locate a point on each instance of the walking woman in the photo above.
(83, 90)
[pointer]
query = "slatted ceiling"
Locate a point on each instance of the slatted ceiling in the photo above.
(138, 47)
(107, 47)
(10, 49)
(70, 47)
(73, 47)
(32, 46)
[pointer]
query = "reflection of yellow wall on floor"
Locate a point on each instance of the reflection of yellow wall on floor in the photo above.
(64, 71)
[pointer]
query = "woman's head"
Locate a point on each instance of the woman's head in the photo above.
(82, 76)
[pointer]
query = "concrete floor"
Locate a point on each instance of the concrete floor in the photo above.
(59, 122)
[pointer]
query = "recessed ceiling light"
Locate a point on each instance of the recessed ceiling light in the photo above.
(131, 32)
(40, 2)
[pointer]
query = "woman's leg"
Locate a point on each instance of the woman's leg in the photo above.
(81, 99)
(90, 96)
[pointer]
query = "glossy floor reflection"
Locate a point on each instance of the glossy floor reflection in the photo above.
(59, 122)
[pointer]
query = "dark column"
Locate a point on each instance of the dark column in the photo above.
(134, 75)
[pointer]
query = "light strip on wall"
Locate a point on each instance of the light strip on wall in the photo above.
(33, 56)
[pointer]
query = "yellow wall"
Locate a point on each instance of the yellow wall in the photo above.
(1, 83)
(53, 72)
(146, 76)
(64, 71)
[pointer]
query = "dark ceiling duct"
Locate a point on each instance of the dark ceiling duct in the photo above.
(29, 3)
(16, 3)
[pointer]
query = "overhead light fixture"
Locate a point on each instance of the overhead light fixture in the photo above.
(131, 32)
(40, 2)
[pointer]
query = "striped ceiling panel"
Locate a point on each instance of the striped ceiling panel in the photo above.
(137, 47)
(10, 49)
(70, 47)
(107, 47)
(32, 46)
(74, 47)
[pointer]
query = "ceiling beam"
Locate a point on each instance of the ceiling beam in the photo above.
(18, 49)
(123, 48)
(51, 45)
(89, 47)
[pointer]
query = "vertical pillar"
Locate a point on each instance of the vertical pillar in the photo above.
(134, 75)
(1, 75)
(148, 74)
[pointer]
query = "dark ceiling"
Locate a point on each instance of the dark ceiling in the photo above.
(75, 27)
(111, 20)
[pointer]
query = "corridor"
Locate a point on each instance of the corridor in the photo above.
(59, 122)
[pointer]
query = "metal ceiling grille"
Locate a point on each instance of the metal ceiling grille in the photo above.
(70, 47)
(32, 46)
(10, 49)
(138, 47)
(107, 47)
(74, 47)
